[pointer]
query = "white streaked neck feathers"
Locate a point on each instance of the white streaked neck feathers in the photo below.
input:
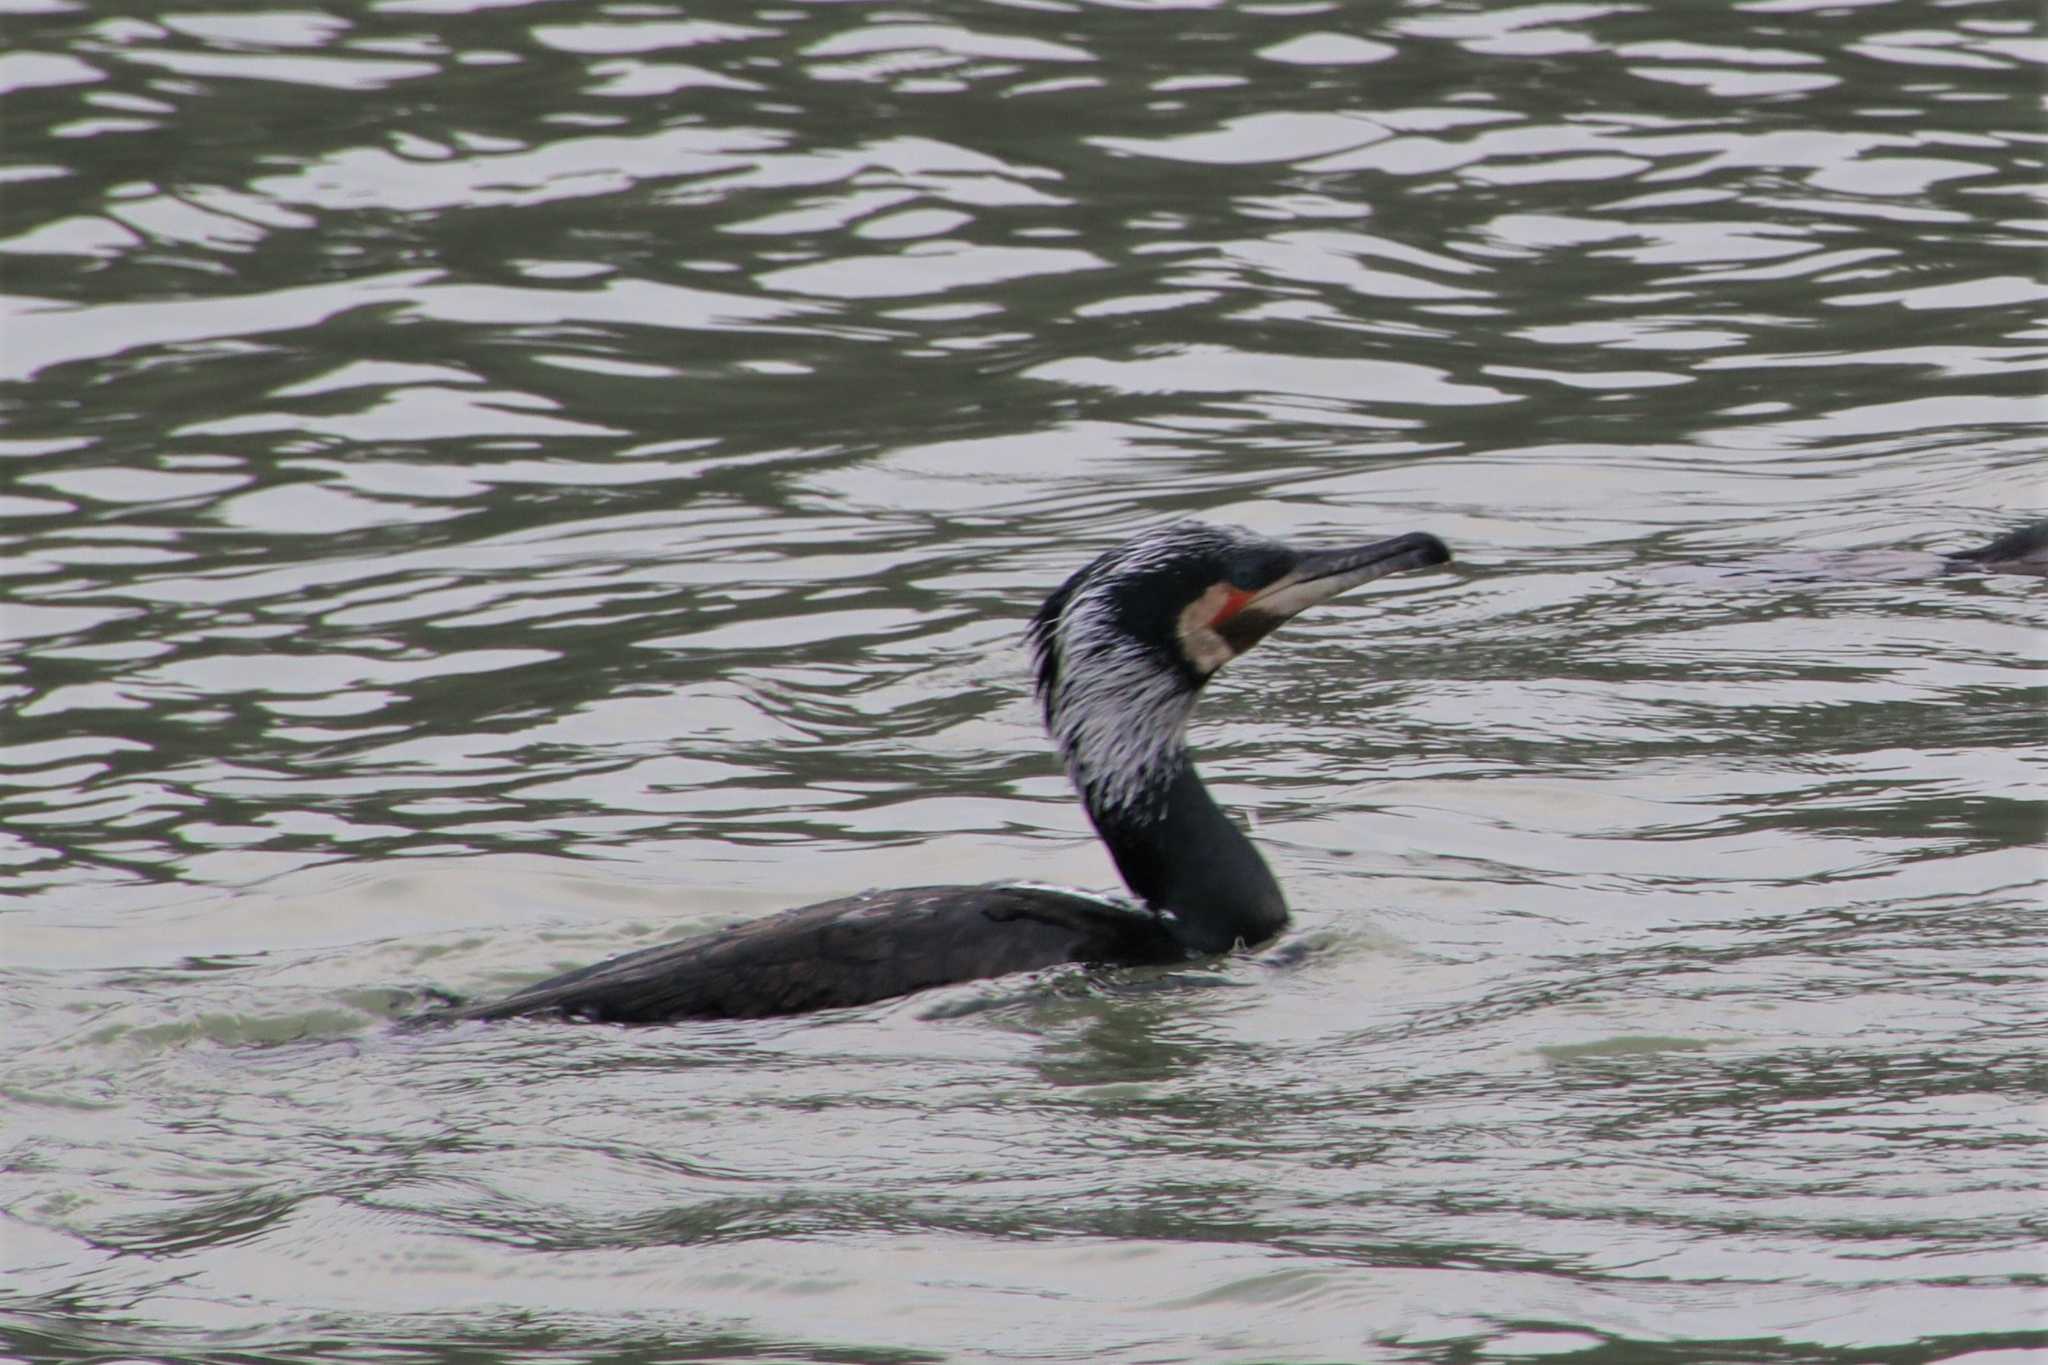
(1116, 701)
(1119, 718)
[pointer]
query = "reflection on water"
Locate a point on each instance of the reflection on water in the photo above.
(490, 486)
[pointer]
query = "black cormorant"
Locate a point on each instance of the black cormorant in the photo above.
(1123, 649)
(2021, 551)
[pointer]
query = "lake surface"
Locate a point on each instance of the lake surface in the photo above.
(489, 486)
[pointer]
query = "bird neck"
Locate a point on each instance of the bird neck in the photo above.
(1185, 858)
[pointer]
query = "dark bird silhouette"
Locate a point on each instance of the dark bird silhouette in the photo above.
(1123, 649)
(2022, 551)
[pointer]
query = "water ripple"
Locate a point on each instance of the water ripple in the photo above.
(489, 486)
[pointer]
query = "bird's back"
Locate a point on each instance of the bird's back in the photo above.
(2022, 551)
(851, 951)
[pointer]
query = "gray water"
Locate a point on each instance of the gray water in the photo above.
(487, 487)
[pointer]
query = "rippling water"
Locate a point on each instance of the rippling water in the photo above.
(487, 486)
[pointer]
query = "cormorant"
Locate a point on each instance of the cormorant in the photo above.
(2022, 551)
(1123, 649)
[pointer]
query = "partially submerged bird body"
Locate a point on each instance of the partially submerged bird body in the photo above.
(2022, 551)
(852, 951)
(1123, 650)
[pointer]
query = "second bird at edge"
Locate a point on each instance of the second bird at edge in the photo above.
(1123, 649)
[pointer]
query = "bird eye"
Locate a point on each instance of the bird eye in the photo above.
(1252, 572)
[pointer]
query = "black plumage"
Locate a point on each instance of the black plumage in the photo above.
(2022, 551)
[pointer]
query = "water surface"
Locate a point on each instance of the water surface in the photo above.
(488, 487)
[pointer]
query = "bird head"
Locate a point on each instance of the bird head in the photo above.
(1126, 644)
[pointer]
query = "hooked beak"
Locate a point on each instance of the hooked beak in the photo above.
(1321, 575)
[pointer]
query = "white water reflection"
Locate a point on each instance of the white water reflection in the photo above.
(1203, 369)
(939, 268)
(52, 334)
